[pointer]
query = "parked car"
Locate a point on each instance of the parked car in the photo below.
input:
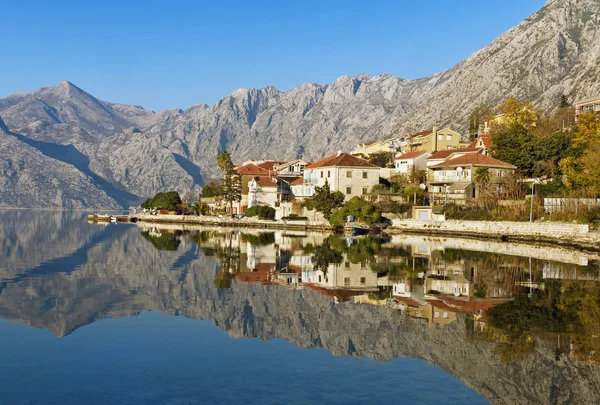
(238, 216)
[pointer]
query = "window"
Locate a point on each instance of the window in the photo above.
(349, 174)
(365, 190)
(348, 190)
(321, 174)
(347, 265)
(328, 173)
(449, 147)
(319, 278)
(363, 280)
(445, 315)
(365, 175)
(436, 315)
(448, 137)
(347, 281)
(440, 137)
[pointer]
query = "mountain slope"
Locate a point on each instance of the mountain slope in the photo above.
(555, 51)
(28, 178)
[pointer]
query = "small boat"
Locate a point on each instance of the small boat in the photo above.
(358, 230)
(113, 219)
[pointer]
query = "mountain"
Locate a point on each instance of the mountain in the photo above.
(556, 51)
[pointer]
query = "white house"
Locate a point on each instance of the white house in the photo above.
(412, 161)
(345, 173)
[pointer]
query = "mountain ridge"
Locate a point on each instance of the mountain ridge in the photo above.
(555, 51)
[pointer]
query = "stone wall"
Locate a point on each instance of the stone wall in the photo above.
(562, 233)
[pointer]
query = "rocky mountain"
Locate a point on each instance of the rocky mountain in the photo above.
(555, 51)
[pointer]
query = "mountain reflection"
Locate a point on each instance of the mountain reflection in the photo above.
(518, 323)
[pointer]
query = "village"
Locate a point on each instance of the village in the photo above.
(431, 175)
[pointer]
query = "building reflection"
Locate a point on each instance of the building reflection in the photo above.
(419, 277)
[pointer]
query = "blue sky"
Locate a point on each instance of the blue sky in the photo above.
(161, 54)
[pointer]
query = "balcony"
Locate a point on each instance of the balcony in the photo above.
(450, 179)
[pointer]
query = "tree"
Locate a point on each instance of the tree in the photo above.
(382, 159)
(211, 190)
(583, 171)
(482, 113)
(168, 201)
(201, 208)
(564, 102)
(362, 210)
(231, 186)
(324, 200)
(482, 180)
(516, 113)
(514, 144)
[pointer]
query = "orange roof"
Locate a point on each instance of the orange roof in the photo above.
(410, 155)
(269, 164)
(475, 159)
(341, 160)
(252, 170)
(486, 140)
(443, 154)
(298, 182)
(340, 294)
(265, 181)
(466, 306)
(407, 301)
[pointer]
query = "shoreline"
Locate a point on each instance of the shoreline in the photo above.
(547, 233)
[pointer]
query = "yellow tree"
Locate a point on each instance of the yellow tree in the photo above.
(583, 172)
(512, 112)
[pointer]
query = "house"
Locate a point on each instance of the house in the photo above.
(345, 173)
(263, 190)
(444, 155)
(410, 162)
(294, 168)
(368, 148)
(581, 107)
(248, 172)
(434, 140)
(454, 180)
(484, 142)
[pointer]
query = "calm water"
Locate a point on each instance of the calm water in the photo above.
(136, 314)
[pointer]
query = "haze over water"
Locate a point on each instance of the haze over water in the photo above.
(141, 314)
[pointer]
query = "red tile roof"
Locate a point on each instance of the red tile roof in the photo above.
(269, 164)
(298, 182)
(475, 159)
(443, 154)
(341, 160)
(407, 301)
(410, 155)
(485, 139)
(252, 170)
(341, 294)
(264, 181)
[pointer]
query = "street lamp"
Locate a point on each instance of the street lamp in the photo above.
(531, 207)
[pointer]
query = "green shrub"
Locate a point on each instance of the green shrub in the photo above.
(362, 210)
(261, 211)
(295, 217)
(457, 212)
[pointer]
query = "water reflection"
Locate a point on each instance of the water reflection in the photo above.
(517, 323)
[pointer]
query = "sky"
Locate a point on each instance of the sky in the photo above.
(164, 55)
